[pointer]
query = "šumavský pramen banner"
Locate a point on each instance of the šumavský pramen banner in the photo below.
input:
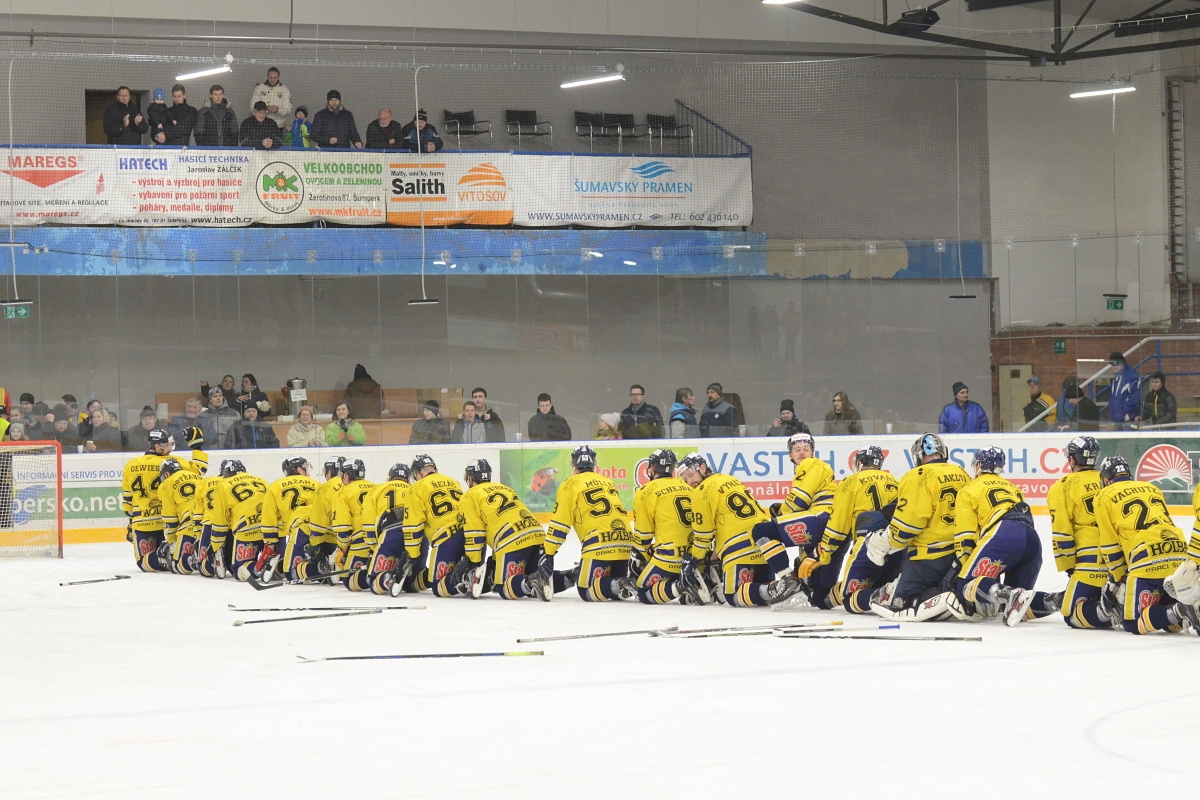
(169, 186)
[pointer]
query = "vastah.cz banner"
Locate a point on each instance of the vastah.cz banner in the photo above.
(168, 186)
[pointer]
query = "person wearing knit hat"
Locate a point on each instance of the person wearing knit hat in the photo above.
(333, 126)
(718, 419)
(608, 426)
(962, 415)
(137, 437)
(786, 423)
(419, 136)
(158, 117)
(431, 428)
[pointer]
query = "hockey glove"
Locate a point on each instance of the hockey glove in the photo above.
(806, 568)
(689, 576)
(776, 509)
(194, 438)
(458, 575)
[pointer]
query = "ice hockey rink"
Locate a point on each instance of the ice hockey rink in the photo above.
(145, 688)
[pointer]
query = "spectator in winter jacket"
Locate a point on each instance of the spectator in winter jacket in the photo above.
(158, 116)
(639, 419)
(431, 428)
(251, 433)
(181, 118)
(276, 97)
(609, 427)
(383, 133)
(222, 416)
(251, 395)
(546, 425)
(962, 415)
(227, 387)
(333, 125)
(1039, 401)
(718, 419)
(421, 137)
(123, 121)
(681, 419)
(306, 433)
(64, 431)
(301, 132)
(786, 423)
(85, 425)
(1158, 407)
(365, 393)
(192, 418)
(260, 131)
(1125, 399)
(101, 437)
(344, 431)
(1077, 412)
(137, 438)
(843, 418)
(469, 428)
(491, 420)
(216, 124)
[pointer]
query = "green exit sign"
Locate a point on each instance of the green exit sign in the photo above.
(1060, 347)
(16, 312)
(1116, 305)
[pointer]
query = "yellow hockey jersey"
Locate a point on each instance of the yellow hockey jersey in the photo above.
(346, 517)
(320, 509)
(723, 514)
(812, 488)
(924, 518)
(493, 515)
(237, 506)
(286, 499)
(979, 507)
(1137, 535)
(662, 518)
(139, 492)
(388, 496)
(588, 503)
(431, 511)
(865, 490)
(1075, 537)
(181, 496)
(1194, 543)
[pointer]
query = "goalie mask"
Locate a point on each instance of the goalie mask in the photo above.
(928, 444)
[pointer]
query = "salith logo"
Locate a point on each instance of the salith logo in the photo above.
(43, 171)
(279, 188)
(1167, 467)
(651, 170)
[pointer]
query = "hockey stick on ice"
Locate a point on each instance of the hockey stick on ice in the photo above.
(304, 660)
(97, 580)
(650, 631)
(239, 622)
(332, 608)
(803, 635)
(767, 632)
(260, 586)
(759, 627)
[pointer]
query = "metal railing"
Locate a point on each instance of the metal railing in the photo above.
(710, 139)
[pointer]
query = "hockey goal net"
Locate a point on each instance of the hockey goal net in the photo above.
(31, 499)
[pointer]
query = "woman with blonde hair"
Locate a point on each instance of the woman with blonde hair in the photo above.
(843, 419)
(305, 433)
(607, 428)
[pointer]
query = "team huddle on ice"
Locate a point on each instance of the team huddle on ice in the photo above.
(937, 544)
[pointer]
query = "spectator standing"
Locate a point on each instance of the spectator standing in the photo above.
(1039, 401)
(216, 124)
(420, 136)
(1158, 407)
(251, 433)
(469, 428)
(260, 131)
(333, 126)
(275, 96)
(609, 427)
(843, 419)
(431, 428)
(384, 133)
(365, 393)
(181, 118)
(306, 433)
(639, 419)
(64, 431)
(192, 418)
(546, 425)
(4, 423)
(251, 395)
(681, 418)
(718, 419)
(123, 120)
(1077, 412)
(158, 117)
(301, 131)
(786, 424)
(344, 431)
(43, 422)
(26, 402)
(962, 415)
(137, 438)
(491, 420)
(221, 416)
(1125, 400)
(226, 386)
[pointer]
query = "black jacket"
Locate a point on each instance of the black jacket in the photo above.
(377, 137)
(158, 117)
(338, 125)
(181, 121)
(641, 422)
(115, 128)
(492, 424)
(788, 428)
(217, 126)
(253, 132)
(718, 420)
(548, 428)
(1158, 408)
(247, 435)
(430, 431)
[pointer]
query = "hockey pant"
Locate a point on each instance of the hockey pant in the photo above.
(210, 542)
(862, 577)
(508, 571)
(801, 529)
(185, 549)
(358, 558)
(145, 550)
(744, 581)
(296, 549)
(659, 581)
(1081, 604)
(1147, 604)
(1010, 554)
(442, 559)
(598, 578)
(825, 581)
(388, 557)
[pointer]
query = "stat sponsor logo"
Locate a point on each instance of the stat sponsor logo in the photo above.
(279, 188)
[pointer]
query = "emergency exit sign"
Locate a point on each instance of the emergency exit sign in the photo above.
(16, 312)
(1060, 347)
(1116, 305)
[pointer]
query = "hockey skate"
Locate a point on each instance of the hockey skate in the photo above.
(1110, 607)
(626, 588)
(1190, 614)
(1019, 602)
(271, 568)
(788, 592)
(398, 577)
(713, 577)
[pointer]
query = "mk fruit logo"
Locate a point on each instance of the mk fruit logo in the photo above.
(1167, 467)
(279, 188)
(44, 171)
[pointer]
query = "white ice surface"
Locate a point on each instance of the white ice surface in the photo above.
(145, 688)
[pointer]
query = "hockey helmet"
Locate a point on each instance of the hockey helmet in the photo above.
(293, 465)
(158, 437)
(870, 456)
(583, 458)
(802, 438)
(356, 470)
(421, 462)
(692, 461)
(1115, 468)
(479, 471)
(231, 467)
(168, 467)
(333, 467)
(928, 444)
(662, 462)
(1082, 451)
(400, 472)
(988, 459)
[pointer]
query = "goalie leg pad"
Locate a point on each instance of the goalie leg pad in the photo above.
(1184, 583)
(942, 606)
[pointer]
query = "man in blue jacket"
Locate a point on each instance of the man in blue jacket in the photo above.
(1125, 402)
(962, 415)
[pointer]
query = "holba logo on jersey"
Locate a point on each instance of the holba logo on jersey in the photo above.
(441, 193)
(1167, 467)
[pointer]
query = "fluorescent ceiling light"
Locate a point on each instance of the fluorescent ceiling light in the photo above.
(204, 73)
(594, 254)
(615, 76)
(631, 263)
(1104, 92)
(779, 2)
